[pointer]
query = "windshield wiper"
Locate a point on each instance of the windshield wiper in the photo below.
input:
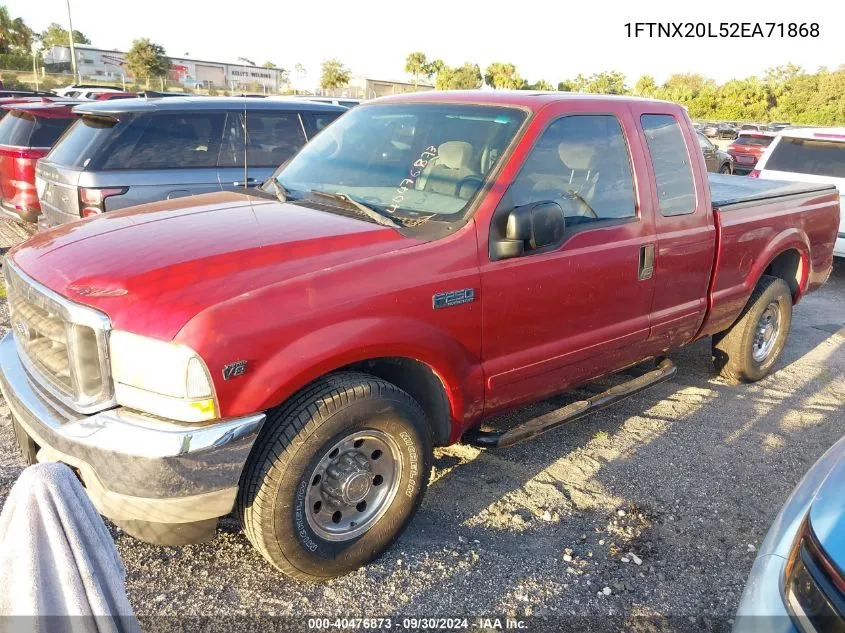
(379, 217)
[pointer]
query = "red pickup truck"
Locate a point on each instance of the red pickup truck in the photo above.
(295, 351)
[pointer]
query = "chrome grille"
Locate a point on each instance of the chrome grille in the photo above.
(62, 344)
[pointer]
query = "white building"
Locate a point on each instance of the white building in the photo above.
(105, 65)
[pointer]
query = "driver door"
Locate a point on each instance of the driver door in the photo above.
(563, 315)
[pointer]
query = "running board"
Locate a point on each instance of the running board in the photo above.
(532, 428)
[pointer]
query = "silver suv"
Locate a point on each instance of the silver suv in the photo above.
(131, 151)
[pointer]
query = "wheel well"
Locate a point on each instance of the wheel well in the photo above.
(788, 266)
(421, 383)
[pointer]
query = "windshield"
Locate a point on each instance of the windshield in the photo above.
(414, 160)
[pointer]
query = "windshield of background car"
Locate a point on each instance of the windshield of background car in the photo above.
(415, 160)
(757, 141)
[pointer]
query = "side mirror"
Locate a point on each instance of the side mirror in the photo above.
(529, 228)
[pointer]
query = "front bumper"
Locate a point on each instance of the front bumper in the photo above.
(162, 481)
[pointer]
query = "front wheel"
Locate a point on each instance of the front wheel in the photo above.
(747, 351)
(726, 169)
(339, 472)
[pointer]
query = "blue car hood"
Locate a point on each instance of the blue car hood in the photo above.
(827, 516)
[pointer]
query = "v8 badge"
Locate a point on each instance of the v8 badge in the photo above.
(233, 370)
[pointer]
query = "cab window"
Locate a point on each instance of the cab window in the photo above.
(580, 162)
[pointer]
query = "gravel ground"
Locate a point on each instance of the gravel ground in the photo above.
(662, 500)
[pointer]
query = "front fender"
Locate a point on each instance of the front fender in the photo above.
(326, 349)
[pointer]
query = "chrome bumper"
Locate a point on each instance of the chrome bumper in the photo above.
(137, 469)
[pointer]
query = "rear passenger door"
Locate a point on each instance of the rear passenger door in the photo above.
(165, 155)
(264, 139)
(684, 224)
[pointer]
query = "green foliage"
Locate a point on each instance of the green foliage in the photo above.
(146, 59)
(16, 61)
(15, 35)
(55, 35)
(646, 86)
(269, 65)
(502, 76)
(416, 65)
(466, 77)
(334, 74)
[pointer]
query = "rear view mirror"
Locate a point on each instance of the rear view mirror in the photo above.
(529, 228)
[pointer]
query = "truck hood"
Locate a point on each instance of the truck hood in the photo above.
(153, 267)
(827, 516)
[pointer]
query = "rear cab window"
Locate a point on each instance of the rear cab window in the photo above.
(23, 129)
(671, 163)
(818, 157)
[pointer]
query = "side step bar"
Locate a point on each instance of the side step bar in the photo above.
(532, 428)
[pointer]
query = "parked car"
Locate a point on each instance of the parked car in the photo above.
(341, 101)
(710, 130)
(797, 583)
(6, 94)
(130, 151)
(715, 159)
(295, 351)
(4, 101)
(107, 96)
(27, 132)
(74, 90)
(751, 127)
(96, 93)
(724, 130)
(775, 127)
(747, 149)
(815, 155)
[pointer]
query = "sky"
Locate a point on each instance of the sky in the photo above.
(545, 39)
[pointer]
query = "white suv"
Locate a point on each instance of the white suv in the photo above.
(808, 155)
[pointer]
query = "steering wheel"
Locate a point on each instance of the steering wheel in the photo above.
(465, 180)
(574, 195)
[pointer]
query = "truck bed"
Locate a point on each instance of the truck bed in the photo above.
(755, 221)
(728, 191)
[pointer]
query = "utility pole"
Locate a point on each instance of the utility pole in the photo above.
(36, 47)
(72, 48)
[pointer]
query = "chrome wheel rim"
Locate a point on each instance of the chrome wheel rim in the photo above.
(766, 333)
(353, 485)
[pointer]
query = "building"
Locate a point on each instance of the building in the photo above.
(361, 87)
(105, 65)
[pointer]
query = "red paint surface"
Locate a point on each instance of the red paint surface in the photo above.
(298, 292)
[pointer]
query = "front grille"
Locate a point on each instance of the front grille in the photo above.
(42, 336)
(62, 344)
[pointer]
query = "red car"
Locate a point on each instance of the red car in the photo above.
(27, 132)
(747, 150)
(108, 96)
(295, 351)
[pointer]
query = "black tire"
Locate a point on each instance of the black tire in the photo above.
(725, 169)
(274, 502)
(734, 349)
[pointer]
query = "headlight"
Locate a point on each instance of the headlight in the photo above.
(160, 378)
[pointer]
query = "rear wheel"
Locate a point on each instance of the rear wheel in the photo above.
(747, 351)
(339, 472)
(725, 169)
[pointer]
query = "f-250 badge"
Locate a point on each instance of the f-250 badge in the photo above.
(453, 298)
(233, 370)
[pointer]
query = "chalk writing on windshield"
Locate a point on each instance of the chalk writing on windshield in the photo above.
(410, 182)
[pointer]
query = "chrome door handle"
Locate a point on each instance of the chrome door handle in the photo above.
(646, 268)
